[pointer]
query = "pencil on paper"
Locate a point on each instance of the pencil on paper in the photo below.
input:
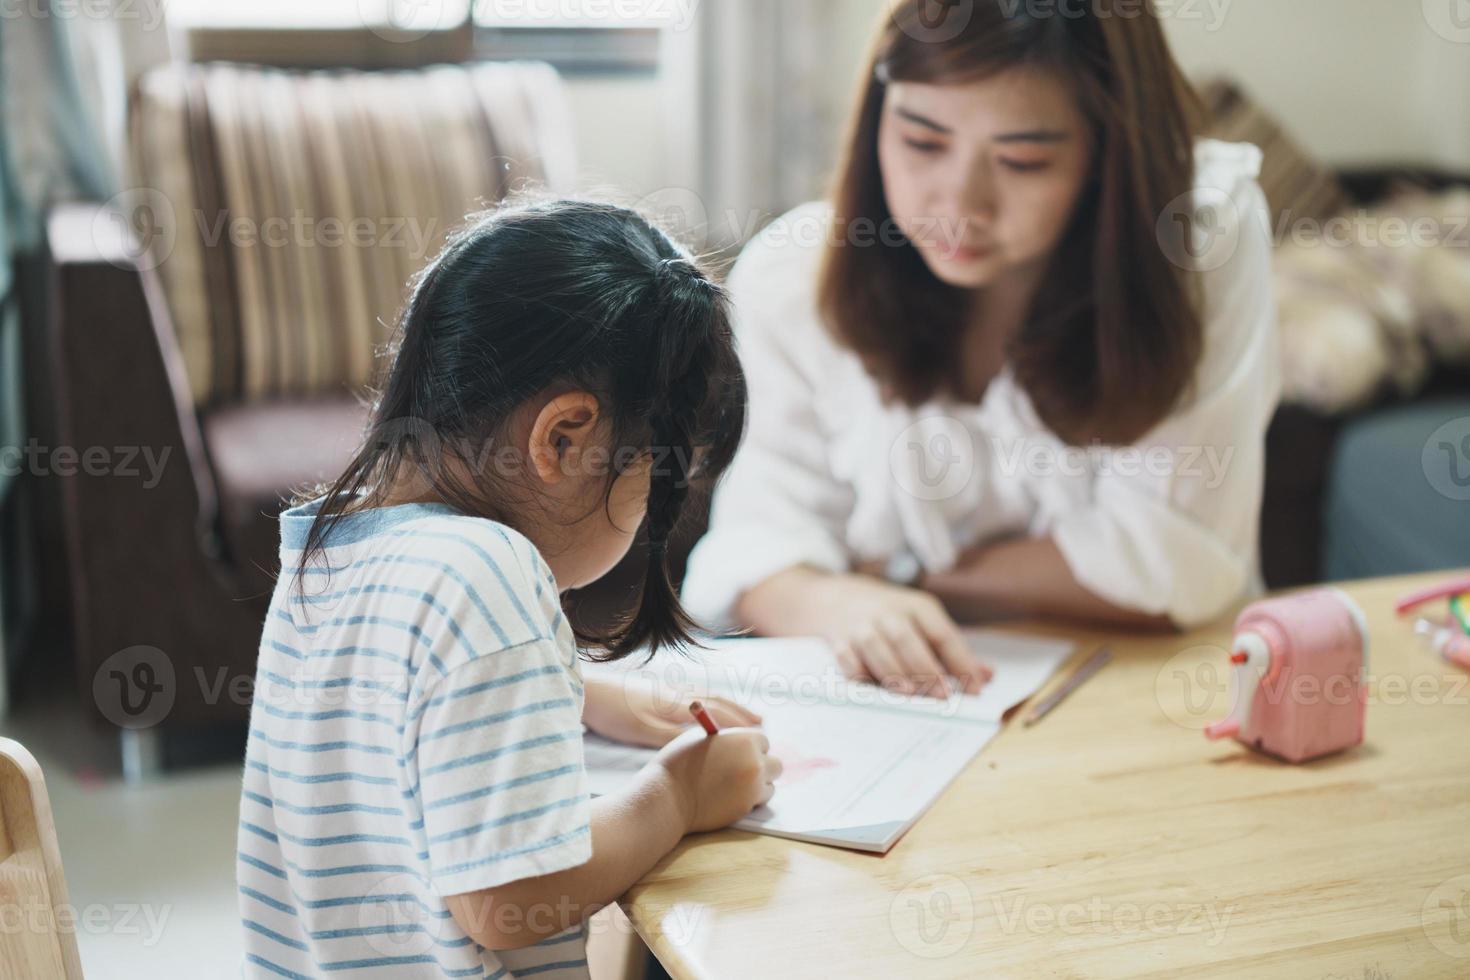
(1090, 666)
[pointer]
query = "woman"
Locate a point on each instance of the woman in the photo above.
(1021, 363)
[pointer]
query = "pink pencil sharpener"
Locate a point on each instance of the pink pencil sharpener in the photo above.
(1298, 684)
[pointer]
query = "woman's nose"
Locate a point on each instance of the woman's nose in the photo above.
(975, 192)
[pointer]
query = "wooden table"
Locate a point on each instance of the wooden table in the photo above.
(1114, 840)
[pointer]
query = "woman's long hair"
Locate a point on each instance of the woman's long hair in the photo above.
(1113, 338)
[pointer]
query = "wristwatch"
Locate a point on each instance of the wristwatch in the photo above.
(902, 568)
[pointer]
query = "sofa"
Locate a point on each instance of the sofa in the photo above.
(1346, 494)
(228, 312)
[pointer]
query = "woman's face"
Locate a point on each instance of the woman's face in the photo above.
(982, 176)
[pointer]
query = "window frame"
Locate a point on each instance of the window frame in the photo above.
(587, 49)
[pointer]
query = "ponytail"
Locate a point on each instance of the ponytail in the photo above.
(698, 399)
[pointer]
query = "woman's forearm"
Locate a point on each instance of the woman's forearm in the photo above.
(1026, 577)
(786, 604)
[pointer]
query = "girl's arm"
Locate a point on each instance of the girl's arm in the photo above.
(1026, 577)
(696, 783)
(636, 712)
(630, 832)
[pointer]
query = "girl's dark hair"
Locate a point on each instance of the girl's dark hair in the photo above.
(575, 293)
(1112, 343)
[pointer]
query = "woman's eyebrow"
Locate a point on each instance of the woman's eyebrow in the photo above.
(1035, 136)
(924, 121)
(1021, 136)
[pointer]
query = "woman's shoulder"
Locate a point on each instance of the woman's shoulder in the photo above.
(1226, 209)
(800, 233)
(782, 262)
(774, 286)
(1225, 165)
(1232, 252)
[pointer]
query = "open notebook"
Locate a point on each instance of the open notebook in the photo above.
(862, 764)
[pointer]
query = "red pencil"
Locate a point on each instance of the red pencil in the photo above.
(705, 721)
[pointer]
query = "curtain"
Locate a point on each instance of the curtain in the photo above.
(51, 148)
(64, 75)
(765, 85)
(65, 71)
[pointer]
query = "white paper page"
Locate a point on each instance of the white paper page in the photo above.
(1022, 665)
(803, 671)
(861, 763)
(854, 777)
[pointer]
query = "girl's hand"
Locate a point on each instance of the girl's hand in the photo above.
(635, 712)
(899, 637)
(719, 779)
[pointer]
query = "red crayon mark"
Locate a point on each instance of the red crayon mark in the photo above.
(797, 766)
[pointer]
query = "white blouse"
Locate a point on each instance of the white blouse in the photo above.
(831, 476)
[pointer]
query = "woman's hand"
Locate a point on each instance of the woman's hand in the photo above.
(901, 638)
(634, 711)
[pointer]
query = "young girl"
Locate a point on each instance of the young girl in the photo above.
(415, 803)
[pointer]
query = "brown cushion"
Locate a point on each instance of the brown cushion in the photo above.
(261, 454)
(287, 210)
(1296, 185)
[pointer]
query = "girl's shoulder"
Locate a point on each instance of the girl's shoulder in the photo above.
(477, 545)
(487, 567)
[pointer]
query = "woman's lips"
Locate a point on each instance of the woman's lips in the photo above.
(967, 253)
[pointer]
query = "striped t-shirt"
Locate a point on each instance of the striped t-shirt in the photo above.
(416, 733)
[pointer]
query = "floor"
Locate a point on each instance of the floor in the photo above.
(149, 868)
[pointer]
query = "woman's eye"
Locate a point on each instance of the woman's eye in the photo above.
(1025, 166)
(924, 146)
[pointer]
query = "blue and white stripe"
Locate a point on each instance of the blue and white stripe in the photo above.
(416, 734)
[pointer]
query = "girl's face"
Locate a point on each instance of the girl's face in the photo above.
(601, 537)
(582, 526)
(983, 176)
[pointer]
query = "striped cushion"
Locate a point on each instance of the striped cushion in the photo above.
(302, 203)
(1296, 185)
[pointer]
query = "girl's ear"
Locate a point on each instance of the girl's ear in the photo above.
(563, 430)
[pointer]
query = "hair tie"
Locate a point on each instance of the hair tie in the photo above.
(681, 271)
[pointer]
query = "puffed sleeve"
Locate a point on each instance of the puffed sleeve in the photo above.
(779, 505)
(1172, 526)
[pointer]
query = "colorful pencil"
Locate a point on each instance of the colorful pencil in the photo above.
(1091, 666)
(705, 721)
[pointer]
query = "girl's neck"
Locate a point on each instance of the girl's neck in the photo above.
(552, 537)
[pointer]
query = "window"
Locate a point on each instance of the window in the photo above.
(577, 36)
(316, 14)
(426, 15)
(585, 13)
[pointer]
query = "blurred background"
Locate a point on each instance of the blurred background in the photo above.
(209, 209)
